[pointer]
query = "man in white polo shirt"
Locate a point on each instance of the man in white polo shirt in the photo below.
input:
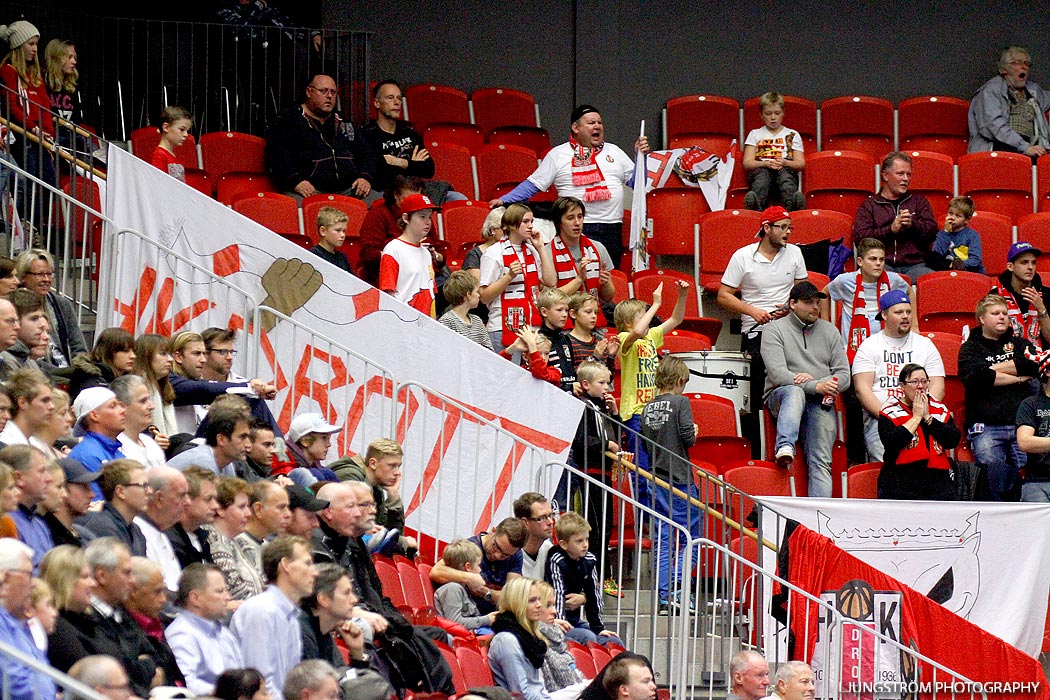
(879, 361)
(763, 273)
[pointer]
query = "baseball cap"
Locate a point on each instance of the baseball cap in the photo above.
(774, 214)
(90, 399)
(1019, 248)
(306, 423)
(892, 298)
(806, 290)
(416, 202)
(298, 497)
(76, 473)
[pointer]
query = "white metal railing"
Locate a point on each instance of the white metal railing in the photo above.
(68, 687)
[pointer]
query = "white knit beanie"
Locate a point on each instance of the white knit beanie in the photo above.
(18, 33)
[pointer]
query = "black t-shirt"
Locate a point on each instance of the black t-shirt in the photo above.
(335, 257)
(1035, 412)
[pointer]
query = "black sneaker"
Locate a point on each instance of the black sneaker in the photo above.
(663, 608)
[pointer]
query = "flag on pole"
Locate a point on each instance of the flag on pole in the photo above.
(640, 225)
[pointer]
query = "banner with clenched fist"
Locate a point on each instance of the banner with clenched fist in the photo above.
(178, 260)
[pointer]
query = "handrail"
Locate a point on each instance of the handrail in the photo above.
(61, 679)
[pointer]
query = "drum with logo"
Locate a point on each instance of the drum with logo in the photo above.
(725, 374)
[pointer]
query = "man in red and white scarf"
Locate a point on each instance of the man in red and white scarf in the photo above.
(1026, 298)
(591, 170)
(582, 265)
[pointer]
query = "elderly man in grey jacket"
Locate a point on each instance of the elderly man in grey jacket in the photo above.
(806, 367)
(1008, 112)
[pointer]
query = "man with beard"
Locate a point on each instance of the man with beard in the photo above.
(880, 358)
(591, 170)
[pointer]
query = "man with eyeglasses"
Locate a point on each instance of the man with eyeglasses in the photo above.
(879, 361)
(997, 376)
(761, 274)
(311, 150)
(127, 492)
(501, 561)
(902, 220)
(16, 570)
(537, 516)
(806, 368)
(1008, 112)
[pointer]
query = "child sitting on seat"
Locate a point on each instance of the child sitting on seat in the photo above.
(957, 246)
(773, 158)
(452, 600)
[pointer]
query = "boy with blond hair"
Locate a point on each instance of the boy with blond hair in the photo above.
(572, 570)
(667, 422)
(773, 157)
(462, 293)
(957, 246)
(331, 233)
(452, 600)
(554, 310)
(585, 343)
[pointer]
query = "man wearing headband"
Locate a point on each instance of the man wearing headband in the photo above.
(591, 170)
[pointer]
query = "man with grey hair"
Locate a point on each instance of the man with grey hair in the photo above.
(36, 269)
(312, 679)
(1008, 112)
(168, 499)
(108, 627)
(794, 681)
(135, 441)
(748, 676)
(16, 572)
(104, 675)
(146, 600)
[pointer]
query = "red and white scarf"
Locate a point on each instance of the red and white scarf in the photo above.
(859, 324)
(566, 269)
(1025, 325)
(518, 301)
(935, 456)
(586, 173)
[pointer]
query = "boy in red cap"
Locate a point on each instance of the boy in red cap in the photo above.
(406, 270)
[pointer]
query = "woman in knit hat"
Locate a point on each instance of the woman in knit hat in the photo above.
(25, 95)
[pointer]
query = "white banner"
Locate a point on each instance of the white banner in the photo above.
(986, 562)
(453, 468)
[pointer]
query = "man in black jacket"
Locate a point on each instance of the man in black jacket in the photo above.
(311, 150)
(188, 539)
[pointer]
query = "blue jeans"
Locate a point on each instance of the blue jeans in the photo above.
(1036, 492)
(641, 459)
(996, 448)
(682, 512)
(872, 440)
(581, 632)
(797, 412)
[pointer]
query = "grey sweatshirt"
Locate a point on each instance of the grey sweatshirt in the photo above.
(790, 348)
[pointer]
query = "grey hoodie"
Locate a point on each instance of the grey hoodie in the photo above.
(789, 348)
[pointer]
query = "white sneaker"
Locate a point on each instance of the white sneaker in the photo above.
(785, 456)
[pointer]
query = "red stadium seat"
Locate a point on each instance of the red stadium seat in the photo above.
(500, 165)
(496, 107)
(709, 121)
(685, 341)
(800, 114)
(714, 415)
(933, 176)
(934, 123)
(145, 140)
(453, 163)
(462, 223)
(838, 180)
(675, 212)
(389, 580)
(200, 181)
(756, 478)
(738, 185)
(997, 235)
(623, 515)
(232, 152)
(1035, 228)
(233, 185)
(458, 680)
(531, 137)
(622, 284)
(424, 576)
(947, 345)
(862, 481)
(1043, 182)
(277, 212)
(356, 209)
(814, 225)
(600, 654)
(466, 135)
(998, 181)
(584, 660)
(476, 671)
(721, 233)
(945, 301)
(436, 104)
(857, 123)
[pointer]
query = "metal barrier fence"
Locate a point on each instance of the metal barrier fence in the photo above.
(233, 71)
(68, 687)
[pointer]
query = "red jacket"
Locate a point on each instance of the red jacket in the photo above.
(31, 109)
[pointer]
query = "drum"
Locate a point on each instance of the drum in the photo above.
(725, 374)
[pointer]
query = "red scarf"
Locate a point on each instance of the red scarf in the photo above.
(859, 325)
(935, 456)
(565, 267)
(585, 171)
(1025, 325)
(518, 301)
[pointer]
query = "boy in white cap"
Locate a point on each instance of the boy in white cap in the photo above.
(308, 440)
(406, 270)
